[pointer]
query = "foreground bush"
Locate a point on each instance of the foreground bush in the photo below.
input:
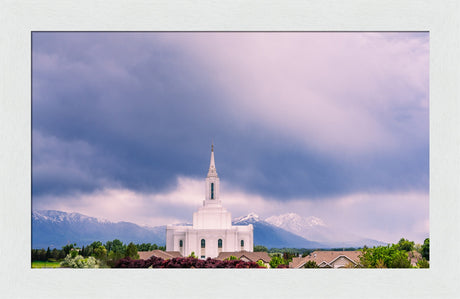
(183, 262)
(78, 261)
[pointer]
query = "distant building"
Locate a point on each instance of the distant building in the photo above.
(212, 231)
(328, 259)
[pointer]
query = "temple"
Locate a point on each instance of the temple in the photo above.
(212, 231)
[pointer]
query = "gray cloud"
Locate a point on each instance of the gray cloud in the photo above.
(136, 111)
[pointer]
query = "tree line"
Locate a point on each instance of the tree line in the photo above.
(107, 254)
(396, 255)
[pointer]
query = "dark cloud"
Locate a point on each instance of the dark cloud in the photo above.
(133, 111)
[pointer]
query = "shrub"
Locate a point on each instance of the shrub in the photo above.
(282, 266)
(79, 262)
(183, 262)
(231, 258)
(275, 261)
(261, 264)
(423, 263)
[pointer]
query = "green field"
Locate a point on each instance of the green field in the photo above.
(39, 264)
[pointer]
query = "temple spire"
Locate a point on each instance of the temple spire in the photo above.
(212, 165)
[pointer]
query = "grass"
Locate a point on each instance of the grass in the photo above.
(39, 264)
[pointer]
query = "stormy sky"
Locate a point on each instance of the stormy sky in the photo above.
(326, 124)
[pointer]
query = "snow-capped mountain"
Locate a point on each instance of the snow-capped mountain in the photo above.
(272, 236)
(56, 228)
(311, 227)
(251, 218)
(314, 228)
(294, 222)
(59, 216)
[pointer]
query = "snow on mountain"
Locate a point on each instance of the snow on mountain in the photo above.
(314, 228)
(56, 229)
(59, 216)
(294, 222)
(271, 236)
(251, 217)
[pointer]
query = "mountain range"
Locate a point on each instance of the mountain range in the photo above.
(314, 228)
(55, 229)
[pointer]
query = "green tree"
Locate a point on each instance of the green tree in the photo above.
(389, 256)
(311, 264)
(287, 257)
(423, 263)
(406, 245)
(143, 247)
(131, 251)
(260, 248)
(115, 256)
(307, 252)
(61, 254)
(96, 244)
(380, 263)
(275, 261)
(39, 255)
(100, 253)
(55, 254)
(67, 248)
(426, 249)
(400, 259)
(117, 246)
(108, 246)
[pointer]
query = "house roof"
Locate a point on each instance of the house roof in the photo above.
(144, 255)
(414, 257)
(326, 257)
(252, 256)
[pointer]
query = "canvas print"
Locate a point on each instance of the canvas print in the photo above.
(259, 150)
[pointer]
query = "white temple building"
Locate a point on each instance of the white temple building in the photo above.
(212, 231)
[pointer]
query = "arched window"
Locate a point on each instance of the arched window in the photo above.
(212, 190)
(219, 243)
(242, 243)
(181, 243)
(203, 243)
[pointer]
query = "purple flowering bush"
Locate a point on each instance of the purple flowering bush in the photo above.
(183, 262)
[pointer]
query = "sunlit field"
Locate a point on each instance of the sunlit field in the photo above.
(40, 264)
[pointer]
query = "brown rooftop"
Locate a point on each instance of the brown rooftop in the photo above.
(166, 255)
(324, 256)
(252, 256)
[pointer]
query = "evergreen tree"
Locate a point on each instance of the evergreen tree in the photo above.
(131, 251)
(260, 248)
(426, 249)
